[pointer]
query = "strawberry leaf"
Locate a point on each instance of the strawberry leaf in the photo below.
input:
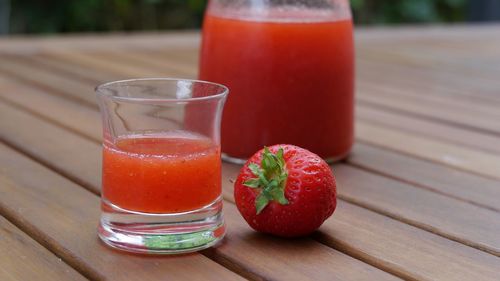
(261, 202)
(270, 178)
(255, 169)
(253, 183)
(279, 196)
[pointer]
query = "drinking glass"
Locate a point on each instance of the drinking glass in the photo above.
(161, 175)
(290, 67)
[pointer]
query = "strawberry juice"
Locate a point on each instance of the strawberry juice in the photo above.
(161, 173)
(291, 80)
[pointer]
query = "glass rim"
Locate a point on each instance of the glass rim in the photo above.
(99, 90)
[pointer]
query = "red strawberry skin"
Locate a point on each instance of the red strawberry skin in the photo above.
(310, 190)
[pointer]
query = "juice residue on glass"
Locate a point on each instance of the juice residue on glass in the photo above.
(161, 173)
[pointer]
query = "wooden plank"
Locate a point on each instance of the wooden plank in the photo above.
(89, 42)
(425, 143)
(456, 156)
(428, 128)
(457, 220)
(441, 57)
(472, 162)
(44, 78)
(479, 278)
(188, 57)
(64, 216)
(84, 120)
(398, 261)
(324, 270)
(285, 259)
(400, 248)
(439, 83)
(459, 157)
(104, 60)
(429, 93)
(460, 33)
(424, 109)
(20, 128)
(93, 75)
(428, 175)
(165, 66)
(99, 61)
(162, 63)
(451, 155)
(365, 36)
(23, 258)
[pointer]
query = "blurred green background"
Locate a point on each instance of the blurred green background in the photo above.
(50, 16)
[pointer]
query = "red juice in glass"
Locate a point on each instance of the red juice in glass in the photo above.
(161, 173)
(161, 168)
(291, 78)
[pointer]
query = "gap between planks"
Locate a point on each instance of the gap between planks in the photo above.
(23, 258)
(330, 245)
(491, 172)
(77, 257)
(319, 251)
(463, 164)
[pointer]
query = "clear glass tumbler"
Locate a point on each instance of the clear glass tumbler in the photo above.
(161, 177)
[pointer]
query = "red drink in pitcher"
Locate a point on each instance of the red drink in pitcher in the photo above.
(290, 72)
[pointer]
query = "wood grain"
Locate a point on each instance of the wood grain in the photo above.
(442, 62)
(64, 216)
(474, 157)
(438, 178)
(322, 271)
(99, 61)
(460, 157)
(145, 40)
(450, 154)
(23, 258)
(451, 218)
(84, 120)
(73, 156)
(428, 156)
(164, 66)
(466, 159)
(396, 102)
(402, 249)
(369, 251)
(94, 76)
(439, 84)
(396, 247)
(44, 78)
(428, 128)
(273, 258)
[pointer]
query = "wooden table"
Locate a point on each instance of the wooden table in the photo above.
(419, 196)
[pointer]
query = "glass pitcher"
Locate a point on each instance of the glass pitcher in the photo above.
(290, 67)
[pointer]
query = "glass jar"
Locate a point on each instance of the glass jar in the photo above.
(290, 68)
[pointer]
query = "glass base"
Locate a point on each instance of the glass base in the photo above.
(234, 160)
(161, 233)
(240, 161)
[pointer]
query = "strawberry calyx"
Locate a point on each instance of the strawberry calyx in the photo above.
(270, 179)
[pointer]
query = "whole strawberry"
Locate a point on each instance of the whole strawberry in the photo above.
(285, 190)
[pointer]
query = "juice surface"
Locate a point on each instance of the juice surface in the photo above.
(290, 82)
(161, 174)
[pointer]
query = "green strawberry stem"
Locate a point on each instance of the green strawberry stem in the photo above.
(270, 179)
